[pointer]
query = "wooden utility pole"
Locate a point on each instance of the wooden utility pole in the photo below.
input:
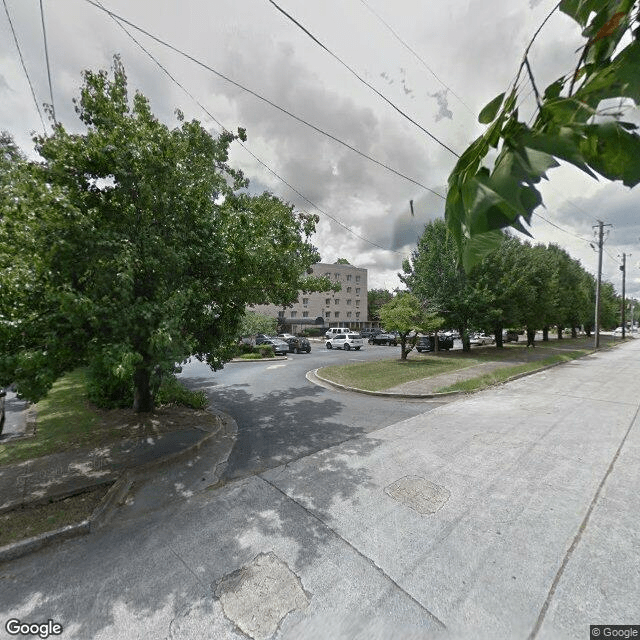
(623, 268)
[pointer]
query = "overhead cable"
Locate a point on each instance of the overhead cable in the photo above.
(46, 55)
(261, 97)
(361, 79)
(24, 66)
(266, 166)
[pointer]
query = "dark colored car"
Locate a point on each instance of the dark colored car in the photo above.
(509, 336)
(280, 347)
(384, 338)
(298, 345)
(369, 333)
(3, 393)
(428, 343)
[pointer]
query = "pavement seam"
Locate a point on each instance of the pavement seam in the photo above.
(581, 530)
(366, 558)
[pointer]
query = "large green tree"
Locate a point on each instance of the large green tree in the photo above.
(133, 245)
(434, 275)
(376, 298)
(580, 119)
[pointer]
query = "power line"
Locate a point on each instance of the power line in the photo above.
(553, 224)
(361, 79)
(424, 64)
(46, 55)
(167, 72)
(261, 97)
(24, 66)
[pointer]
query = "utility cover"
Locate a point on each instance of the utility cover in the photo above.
(418, 494)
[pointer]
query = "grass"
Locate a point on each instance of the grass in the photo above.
(500, 375)
(64, 420)
(382, 374)
(67, 420)
(34, 520)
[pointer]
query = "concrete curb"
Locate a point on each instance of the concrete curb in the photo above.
(409, 396)
(384, 394)
(276, 358)
(114, 496)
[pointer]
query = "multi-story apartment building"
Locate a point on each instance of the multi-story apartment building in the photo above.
(344, 308)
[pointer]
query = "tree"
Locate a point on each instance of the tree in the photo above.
(575, 123)
(253, 323)
(342, 261)
(405, 315)
(140, 247)
(376, 298)
(435, 277)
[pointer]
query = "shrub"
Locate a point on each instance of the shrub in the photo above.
(172, 391)
(265, 350)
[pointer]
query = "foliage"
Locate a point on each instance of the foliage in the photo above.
(376, 298)
(135, 245)
(172, 391)
(574, 123)
(435, 277)
(253, 323)
(342, 261)
(405, 314)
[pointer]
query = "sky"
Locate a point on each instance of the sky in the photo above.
(439, 62)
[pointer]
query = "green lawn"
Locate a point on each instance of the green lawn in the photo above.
(64, 420)
(382, 374)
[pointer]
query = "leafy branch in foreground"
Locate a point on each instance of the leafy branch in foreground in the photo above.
(574, 123)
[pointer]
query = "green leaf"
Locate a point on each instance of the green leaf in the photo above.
(613, 152)
(479, 246)
(490, 111)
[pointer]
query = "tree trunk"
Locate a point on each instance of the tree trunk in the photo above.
(531, 336)
(498, 336)
(545, 334)
(142, 395)
(574, 333)
(466, 345)
(559, 332)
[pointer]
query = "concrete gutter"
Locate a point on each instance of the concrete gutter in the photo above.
(114, 497)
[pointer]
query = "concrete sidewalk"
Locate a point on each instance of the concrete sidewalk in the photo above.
(511, 513)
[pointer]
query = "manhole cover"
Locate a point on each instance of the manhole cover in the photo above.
(257, 597)
(418, 494)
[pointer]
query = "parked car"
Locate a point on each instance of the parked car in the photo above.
(334, 331)
(298, 345)
(509, 335)
(428, 343)
(285, 336)
(280, 347)
(384, 338)
(481, 339)
(261, 338)
(345, 341)
(369, 333)
(3, 393)
(451, 334)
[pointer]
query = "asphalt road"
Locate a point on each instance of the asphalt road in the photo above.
(282, 416)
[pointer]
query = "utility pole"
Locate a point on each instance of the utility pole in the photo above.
(623, 269)
(600, 226)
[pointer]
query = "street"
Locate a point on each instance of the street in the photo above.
(281, 416)
(510, 513)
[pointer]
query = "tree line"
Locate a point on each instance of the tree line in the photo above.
(518, 285)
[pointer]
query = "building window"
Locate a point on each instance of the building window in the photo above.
(305, 314)
(336, 314)
(357, 303)
(348, 314)
(280, 314)
(357, 314)
(348, 277)
(294, 314)
(337, 275)
(349, 301)
(357, 291)
(337, 300)
(357, 278)
(348, 289)
(327, 301)
(305, 300)
(327, 314)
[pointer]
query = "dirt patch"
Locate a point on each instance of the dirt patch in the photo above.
(29, 521)
(125, 423)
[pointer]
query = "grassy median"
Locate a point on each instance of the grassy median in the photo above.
(386, 374)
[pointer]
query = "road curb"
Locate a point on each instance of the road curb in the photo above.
(114, 496)
(276, 358)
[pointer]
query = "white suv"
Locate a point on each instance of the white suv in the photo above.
(334, 331)
(346, 341)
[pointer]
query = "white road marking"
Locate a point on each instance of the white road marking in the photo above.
(276, 366)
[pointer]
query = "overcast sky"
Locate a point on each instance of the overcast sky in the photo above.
(468, 52)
